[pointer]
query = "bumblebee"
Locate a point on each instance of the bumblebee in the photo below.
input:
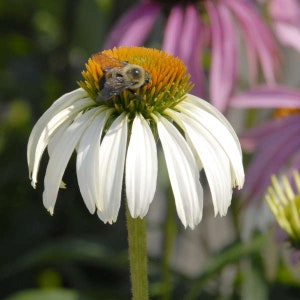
(119, 76)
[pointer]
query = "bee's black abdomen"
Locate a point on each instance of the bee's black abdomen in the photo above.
(102, 81)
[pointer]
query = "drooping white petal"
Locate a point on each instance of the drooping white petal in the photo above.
(111, 169)
(214, 160)
(87, 164)
(45, 127)
(183, 173)
(210, 118)
(206, 106)
(57, 106)
(56, 136)
(60, 156)
(141, 168)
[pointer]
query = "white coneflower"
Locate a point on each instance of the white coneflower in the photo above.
(117, 137)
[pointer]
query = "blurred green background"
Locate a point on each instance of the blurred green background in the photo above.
(44, 46)
(73, 255)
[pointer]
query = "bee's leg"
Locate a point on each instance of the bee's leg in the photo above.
(100, 99)
(135, 95)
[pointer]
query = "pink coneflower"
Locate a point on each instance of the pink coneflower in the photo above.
(275, 144)
(193, 28)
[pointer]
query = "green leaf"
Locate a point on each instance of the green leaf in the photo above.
(63, 251)
(56, 294)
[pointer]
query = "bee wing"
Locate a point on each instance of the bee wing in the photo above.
(108, 62)
(112, 87)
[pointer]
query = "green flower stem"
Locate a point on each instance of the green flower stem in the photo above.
(169, 236)
(136, 228)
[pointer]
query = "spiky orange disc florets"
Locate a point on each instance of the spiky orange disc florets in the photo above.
(168, 83)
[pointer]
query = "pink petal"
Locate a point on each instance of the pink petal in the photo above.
(172, 34)
(190, 48)
(286, 18)
(267, 97)
(224, 56)
(258, 37)
(134, 26)
(285, 10)
(253, 138)
(272, 156)
(288, 35)
(183, 38)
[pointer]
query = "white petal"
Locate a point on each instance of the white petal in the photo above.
(60, 104)
(55, 137)
(43, 130)
(111, 169)
(214, 160)
(210, 118)
(183, 173)
(88, 161)
(141, 168)
(57, 134)
(192, 102)
(60, 156)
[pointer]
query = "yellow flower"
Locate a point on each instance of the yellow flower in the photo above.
(284, 203)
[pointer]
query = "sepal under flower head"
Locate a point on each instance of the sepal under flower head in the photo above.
(284, 203)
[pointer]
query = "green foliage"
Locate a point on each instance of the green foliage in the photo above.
(57, 294)
(44, 45)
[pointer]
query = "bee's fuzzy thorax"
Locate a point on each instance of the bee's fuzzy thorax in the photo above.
(168, 84)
